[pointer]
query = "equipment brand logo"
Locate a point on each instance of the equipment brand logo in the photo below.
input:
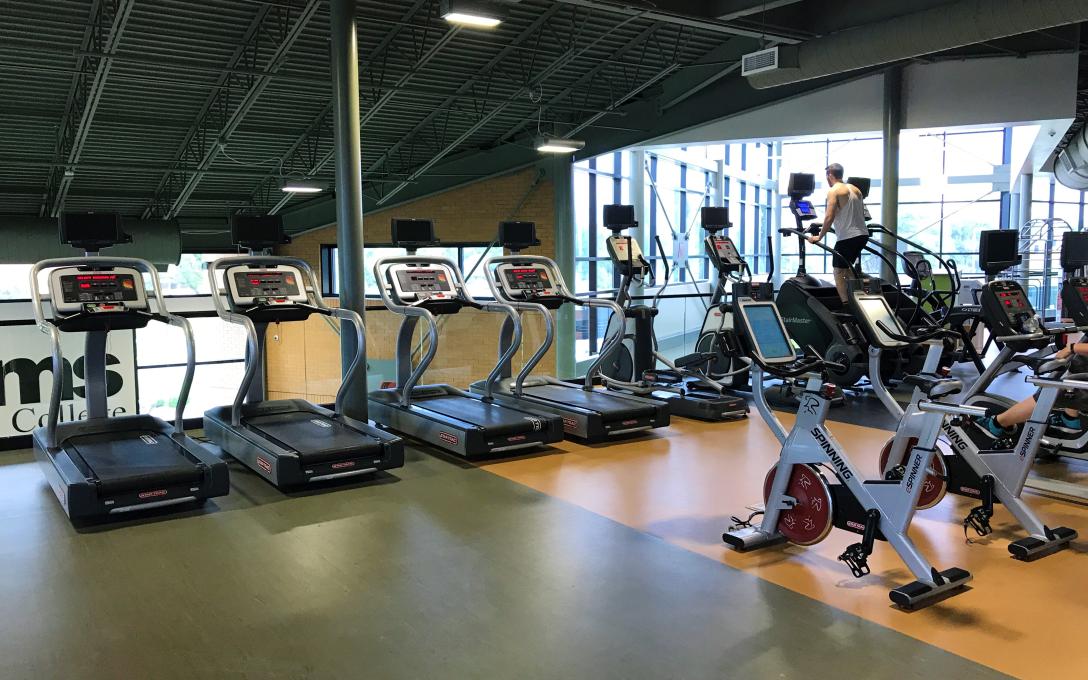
(913, 476)
(144, 495)
(570, 424)
(449, 438)
(148, 439)
(264, 464)
(840, 465)
(28, 375)
(1029, 437)
(811, 405)
(322, 424)
(954, 436)
(797, 320)
(345, 464)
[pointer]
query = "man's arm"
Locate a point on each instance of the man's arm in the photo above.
(829, 215)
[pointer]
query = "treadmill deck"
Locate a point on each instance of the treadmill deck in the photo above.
(132, 461)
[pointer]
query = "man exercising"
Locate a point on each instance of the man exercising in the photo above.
(846, 212)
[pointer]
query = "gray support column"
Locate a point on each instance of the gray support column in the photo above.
(349, 187)
(892, 124)
(561, 171)
(1024, 216)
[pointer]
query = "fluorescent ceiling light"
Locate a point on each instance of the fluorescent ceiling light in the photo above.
(558, 145)
(294, 186)
(474, 13)
(472, 20)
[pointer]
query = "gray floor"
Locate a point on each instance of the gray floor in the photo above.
(441, 571)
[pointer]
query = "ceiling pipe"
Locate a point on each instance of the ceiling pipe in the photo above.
(959, 24)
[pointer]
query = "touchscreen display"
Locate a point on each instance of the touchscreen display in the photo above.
(876, 310)
(769, 338)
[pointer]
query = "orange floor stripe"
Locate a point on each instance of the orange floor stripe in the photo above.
(1025, 619)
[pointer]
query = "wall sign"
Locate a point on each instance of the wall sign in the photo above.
(26, 378)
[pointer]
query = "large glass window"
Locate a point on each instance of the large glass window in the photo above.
(15, 281)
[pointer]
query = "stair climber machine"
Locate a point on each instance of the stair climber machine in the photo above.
(289, 442)
(634, 368)
(964, 467)
(422, 287)
(534, 284)
(109, 465)
(717, 339)
(812, 309)
(815, 487)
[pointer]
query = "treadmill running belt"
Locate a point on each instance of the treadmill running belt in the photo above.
(315, 437)
(495, 419)
(602, 402)
(132, 461)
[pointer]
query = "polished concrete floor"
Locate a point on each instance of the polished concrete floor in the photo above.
(441, 570)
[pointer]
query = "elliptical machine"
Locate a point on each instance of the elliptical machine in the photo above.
(633, 369)
(801, 505)
(108, 464)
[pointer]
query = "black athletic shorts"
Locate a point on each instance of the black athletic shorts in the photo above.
(848, 252)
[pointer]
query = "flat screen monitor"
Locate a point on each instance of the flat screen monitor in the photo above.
(91, 229)
(999, 249)
(518, 235)
(257, 232)
(877, 312)
(863, 183)
(802, 184)
(1074, 250)
(410, 232)
(715, 218)
(769, 336)
(619, 216)
(805, 208)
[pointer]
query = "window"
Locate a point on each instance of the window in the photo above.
(15, 282)
(470, 257)
(190, 276)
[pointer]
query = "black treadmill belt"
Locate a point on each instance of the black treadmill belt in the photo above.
(497, 420)
(602, 402)
(314, 437)
(133, 461)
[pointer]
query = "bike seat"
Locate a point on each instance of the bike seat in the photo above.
(934, 386)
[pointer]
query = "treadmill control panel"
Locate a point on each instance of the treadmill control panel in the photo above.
(527, 281)
(723, 252)
(1007, 309)
(74, 290)
(413, 283)
(265, 285)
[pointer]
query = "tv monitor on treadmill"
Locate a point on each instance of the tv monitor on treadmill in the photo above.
(413, 233)
(92, 231)
(258, 232)
(770, 341)
(518, 235)
(715, 218)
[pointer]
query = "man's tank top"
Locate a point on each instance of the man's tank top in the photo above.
(850, 220)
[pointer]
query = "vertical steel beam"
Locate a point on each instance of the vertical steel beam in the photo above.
(349, 188)
(561, 171)
(893, 125)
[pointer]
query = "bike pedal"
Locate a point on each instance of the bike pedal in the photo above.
(856, 559)
(978, 520)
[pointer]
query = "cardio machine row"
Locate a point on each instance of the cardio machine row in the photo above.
(107, 466)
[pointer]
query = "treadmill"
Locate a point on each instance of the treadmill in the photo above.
(112, 465)
(469, 425)
(289, 442)
(535, 284)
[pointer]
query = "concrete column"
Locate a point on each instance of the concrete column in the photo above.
(1024, 212)
(892, 125)
(561, 171)
(349, 187)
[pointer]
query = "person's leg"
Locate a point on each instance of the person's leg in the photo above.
(1017, 413)
(841, 277)
(847, 254)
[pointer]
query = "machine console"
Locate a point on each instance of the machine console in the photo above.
(723, 253)
(279, 285)
(803, 210)
(75, 289)
(1007, 309)
(766, 332)
(626, 254)
(875, 312)
(525, 282)
(1075, 300)
(415, 283)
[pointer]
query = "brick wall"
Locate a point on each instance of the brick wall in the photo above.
(304, 358)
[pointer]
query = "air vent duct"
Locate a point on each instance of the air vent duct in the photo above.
(1071, 168)
(771, 59)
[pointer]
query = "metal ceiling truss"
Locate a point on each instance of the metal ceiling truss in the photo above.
(238, 89)
(105, 27)
(433, 139)
(303, 157)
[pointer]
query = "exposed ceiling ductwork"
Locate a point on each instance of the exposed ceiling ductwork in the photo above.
(957, 24)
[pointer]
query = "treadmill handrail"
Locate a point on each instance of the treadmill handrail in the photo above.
(314, 299)
(164, 316)
(381, 268)
(490, 267)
